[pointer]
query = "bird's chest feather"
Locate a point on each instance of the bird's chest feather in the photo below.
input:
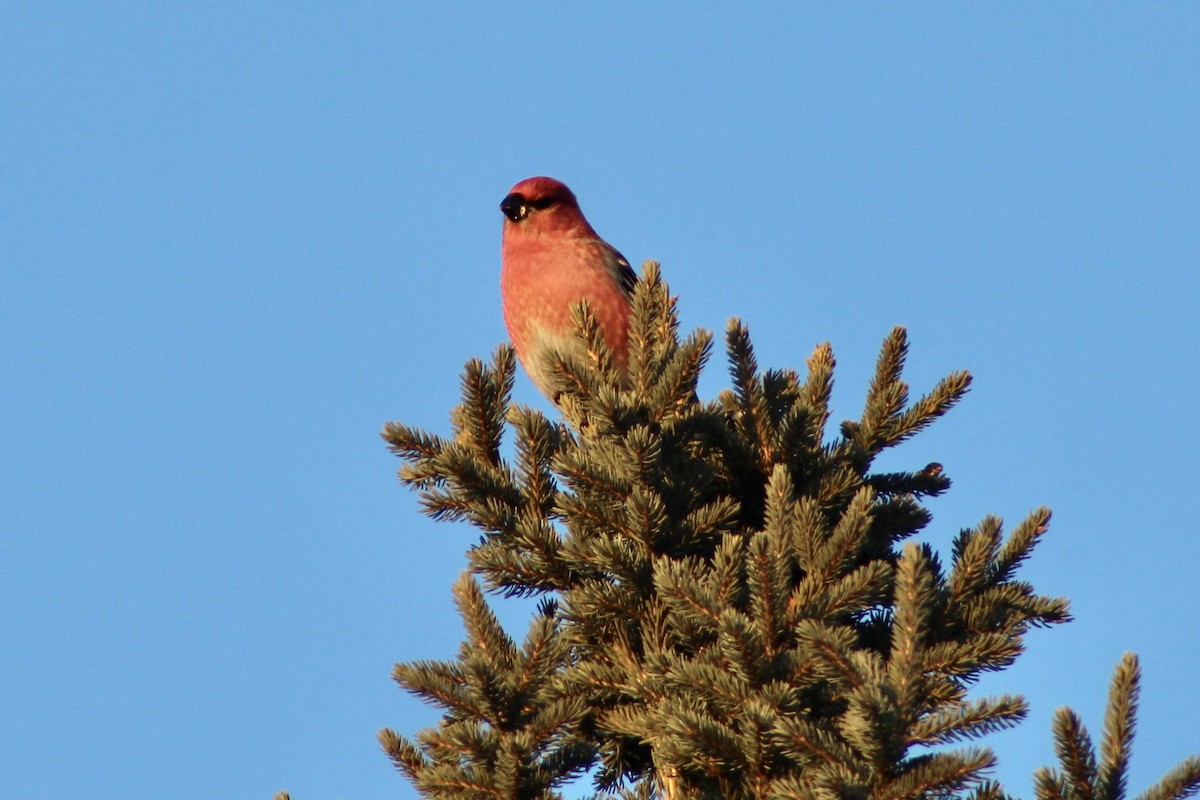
(541, 281)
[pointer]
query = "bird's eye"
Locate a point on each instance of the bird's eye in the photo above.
(543, 202)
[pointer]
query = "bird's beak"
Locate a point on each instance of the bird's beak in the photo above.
(514, 207)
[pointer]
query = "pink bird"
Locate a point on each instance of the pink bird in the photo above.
(550, 260)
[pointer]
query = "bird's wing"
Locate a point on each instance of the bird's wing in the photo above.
(624, 273)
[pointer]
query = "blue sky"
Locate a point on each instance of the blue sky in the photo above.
(235, 239)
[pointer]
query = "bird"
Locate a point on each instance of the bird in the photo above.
(551, 258)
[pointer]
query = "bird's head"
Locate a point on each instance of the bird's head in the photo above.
(541, 204)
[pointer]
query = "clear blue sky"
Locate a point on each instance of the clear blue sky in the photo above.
(236, 238)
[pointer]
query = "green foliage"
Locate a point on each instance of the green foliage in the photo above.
(509, 729)
(1082, 775)
(731, 609)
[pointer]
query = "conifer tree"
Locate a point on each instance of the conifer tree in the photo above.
(730, 606)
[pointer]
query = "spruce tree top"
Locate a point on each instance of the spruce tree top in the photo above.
(731, 607)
